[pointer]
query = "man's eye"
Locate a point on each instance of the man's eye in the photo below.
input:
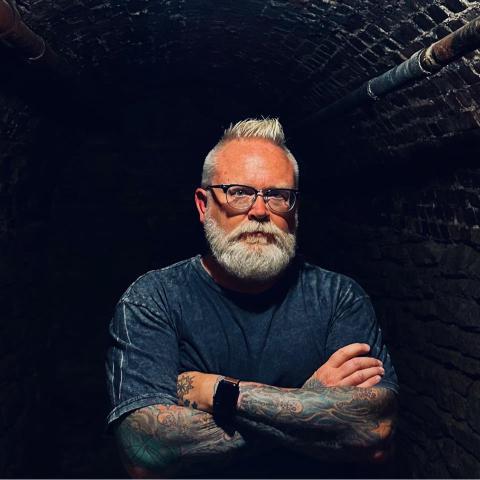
(239, 192)
(278, 194)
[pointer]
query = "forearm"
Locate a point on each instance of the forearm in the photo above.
(162, 440)
(327, 422)
(331, 422)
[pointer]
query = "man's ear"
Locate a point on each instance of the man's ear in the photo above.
(201, 203)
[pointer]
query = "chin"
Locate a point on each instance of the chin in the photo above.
(256, 245)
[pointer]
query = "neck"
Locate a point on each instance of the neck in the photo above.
(226, 280)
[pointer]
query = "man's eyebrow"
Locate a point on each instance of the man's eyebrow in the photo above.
(269, 187)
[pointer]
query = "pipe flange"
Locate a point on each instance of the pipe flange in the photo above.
(42, 51)
(370, 92)
(427, 61)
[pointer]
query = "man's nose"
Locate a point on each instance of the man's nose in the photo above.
(259, 209)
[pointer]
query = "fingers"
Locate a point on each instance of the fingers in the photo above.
(361, 376)
(358, 363)
(371, 382)
(349, 366)
(348, 352)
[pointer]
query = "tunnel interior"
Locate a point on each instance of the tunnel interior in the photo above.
(99, 162)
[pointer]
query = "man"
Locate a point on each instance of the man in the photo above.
(248, 355)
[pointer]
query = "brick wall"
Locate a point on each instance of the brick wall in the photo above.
(416, 250)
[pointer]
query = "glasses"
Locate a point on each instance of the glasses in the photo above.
(242, 197)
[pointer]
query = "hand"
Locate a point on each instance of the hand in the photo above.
(348, 368)
(196, 390)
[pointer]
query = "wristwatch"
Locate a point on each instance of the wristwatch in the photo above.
(225, 400)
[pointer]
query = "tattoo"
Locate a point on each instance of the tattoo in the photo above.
(313, 384)
(140, 446)
(184, 385)
(172, 440)
(186, 403)
(327, 422)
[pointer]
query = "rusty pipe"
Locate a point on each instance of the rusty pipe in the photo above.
(17, 35)
(421, 64)
(453, 46)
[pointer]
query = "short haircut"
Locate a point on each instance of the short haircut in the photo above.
(267, 128)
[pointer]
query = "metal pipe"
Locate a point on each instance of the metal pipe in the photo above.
(420, 65)
(16, 34)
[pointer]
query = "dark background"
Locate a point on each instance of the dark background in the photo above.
(98, 169)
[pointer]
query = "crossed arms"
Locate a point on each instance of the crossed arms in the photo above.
(337, 414)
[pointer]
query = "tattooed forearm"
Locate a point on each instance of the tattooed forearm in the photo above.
(162, 440)
(327, 422)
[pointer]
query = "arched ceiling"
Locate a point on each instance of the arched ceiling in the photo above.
(279, 57)
(275, 47)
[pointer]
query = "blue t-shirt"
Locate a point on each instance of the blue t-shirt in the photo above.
(178, 319)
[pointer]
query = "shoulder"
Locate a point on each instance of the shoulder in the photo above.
(336, 286)
(155, 283)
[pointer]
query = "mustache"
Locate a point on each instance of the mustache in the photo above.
(255, 227)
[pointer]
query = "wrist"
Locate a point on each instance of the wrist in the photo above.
(210, 387)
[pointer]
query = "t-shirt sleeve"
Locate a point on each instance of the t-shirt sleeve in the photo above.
(142, 359)
(354, 321)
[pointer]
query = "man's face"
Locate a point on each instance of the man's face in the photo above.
(256, 244)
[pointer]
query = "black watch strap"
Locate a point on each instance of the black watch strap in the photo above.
(225, 399)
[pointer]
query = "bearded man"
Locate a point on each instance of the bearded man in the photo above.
(249, 357)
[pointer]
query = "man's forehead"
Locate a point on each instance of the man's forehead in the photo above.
(254, 158)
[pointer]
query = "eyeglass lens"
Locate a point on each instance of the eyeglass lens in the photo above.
(278, 199)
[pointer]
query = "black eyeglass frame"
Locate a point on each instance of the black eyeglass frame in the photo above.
(263, 193)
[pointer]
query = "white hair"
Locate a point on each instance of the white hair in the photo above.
(267, 128)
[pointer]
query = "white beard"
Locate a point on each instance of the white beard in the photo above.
(254, 257)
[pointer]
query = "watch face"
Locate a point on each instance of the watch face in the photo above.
(226, 397)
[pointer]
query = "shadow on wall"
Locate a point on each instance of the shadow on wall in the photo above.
(413, 242)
